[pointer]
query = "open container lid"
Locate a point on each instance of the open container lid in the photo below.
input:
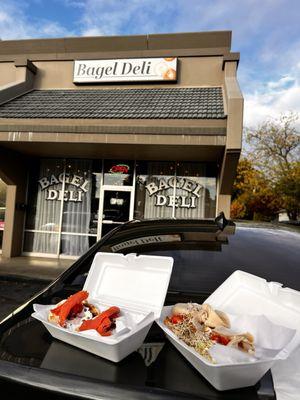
(244, 293)
(249, 294)
(137, 282)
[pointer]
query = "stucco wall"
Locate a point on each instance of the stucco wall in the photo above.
(192, 71)
(7, 73)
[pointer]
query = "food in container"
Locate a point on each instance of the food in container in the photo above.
(200, 326)
(272, 320)
(134, 285)
(76, 313)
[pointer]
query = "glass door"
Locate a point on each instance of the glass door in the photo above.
(116, 195)
(117, 208)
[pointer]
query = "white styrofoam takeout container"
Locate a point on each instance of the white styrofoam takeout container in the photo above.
(246, 294)
(133, 283)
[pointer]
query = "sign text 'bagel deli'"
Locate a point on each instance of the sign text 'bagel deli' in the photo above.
(125, 70)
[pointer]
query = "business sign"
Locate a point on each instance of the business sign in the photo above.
(125, 70)
(194, 191)
(79, 186)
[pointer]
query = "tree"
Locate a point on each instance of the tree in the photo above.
(253, 194)
(2, 193)
(275, 144)
(274, 149)
(287, 188)
(237, 210)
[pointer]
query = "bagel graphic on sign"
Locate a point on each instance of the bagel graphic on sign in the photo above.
(165, 70)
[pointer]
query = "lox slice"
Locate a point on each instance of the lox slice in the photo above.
(72, 304)
(102, 323)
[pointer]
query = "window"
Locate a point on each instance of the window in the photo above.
(118, 173)
(175, 190)
(63, 202)
(71, 202)
(154, 192)
(80, 208)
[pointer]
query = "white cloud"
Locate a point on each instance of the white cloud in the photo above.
(93, 31)
(283, 82)
(273, 99)
(117, 17)
(8, 27)
(53, 29)
(15, 23)
(75, 3)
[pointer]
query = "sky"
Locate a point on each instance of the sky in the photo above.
(265, 32)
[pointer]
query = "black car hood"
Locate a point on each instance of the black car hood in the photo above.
(29, 354)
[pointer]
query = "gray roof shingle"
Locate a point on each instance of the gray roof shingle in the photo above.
(162, 103)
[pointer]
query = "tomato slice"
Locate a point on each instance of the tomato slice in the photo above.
(176, 319)
(219, 338)
(224, 340)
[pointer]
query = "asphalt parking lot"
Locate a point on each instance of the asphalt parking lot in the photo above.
(14, 293)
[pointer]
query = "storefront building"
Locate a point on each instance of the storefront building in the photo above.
(98, 131)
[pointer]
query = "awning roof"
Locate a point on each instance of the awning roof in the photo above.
(162, 103)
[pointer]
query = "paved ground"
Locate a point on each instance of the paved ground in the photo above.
(22, 277)
(15, 293)
(32, 268)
